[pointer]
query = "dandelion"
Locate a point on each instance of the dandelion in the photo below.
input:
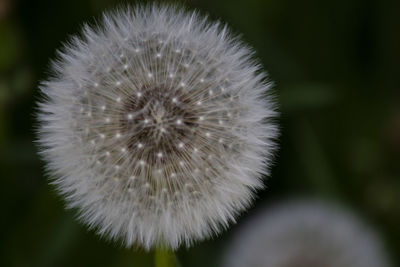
(157, 126)
(306, 233)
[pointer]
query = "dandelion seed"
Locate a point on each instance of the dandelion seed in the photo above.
(155, 120)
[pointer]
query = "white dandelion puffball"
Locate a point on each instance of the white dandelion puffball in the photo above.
(157, 126)
(306, 233)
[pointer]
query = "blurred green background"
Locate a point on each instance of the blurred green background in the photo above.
(336, 69)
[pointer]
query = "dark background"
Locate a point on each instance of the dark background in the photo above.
(336, 69)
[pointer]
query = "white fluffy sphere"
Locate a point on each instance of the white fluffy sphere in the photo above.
(157, 126)
(306, 233)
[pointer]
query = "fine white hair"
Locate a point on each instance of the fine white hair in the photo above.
(157, 125)
(304, 233)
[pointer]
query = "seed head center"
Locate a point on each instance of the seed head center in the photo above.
(157, 121)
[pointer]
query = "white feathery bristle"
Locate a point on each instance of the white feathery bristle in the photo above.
(305, 233)
(157, 126)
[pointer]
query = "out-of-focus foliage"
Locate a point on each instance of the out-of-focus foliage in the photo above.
(335, 66)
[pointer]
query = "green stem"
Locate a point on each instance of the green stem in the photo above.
(165, 258)
(319, 172)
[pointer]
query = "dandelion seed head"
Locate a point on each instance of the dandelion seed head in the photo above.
(303, 233)
(131, 123)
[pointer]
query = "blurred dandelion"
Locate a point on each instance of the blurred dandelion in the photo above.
(157, 126)
(306, 233)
